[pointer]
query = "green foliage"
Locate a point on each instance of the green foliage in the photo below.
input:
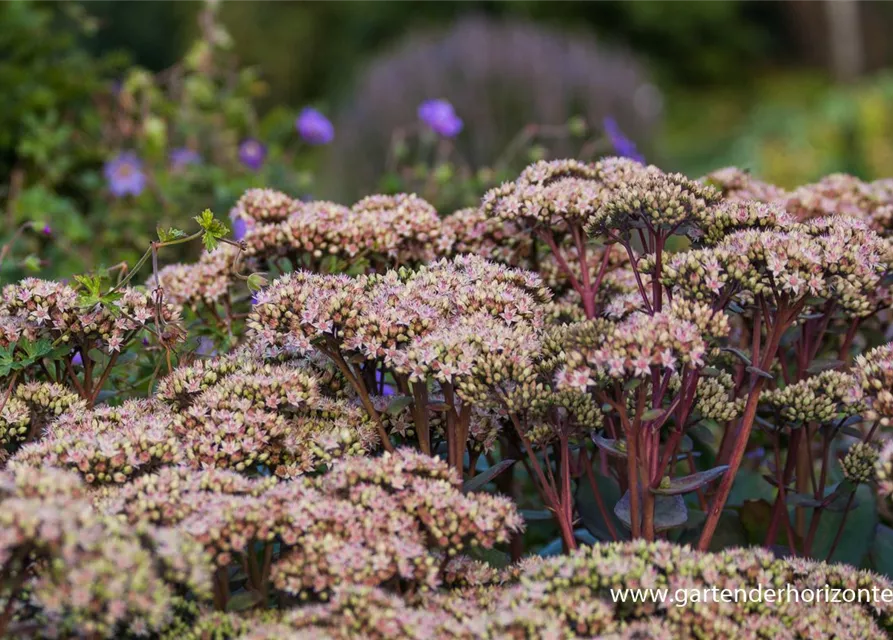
(213, 229)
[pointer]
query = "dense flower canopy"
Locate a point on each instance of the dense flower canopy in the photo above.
(378, 421)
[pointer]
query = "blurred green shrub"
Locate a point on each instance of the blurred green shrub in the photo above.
(95, 154)
(792, 130)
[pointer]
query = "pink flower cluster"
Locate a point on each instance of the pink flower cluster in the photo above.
(92, 574)
(206, 281)
(382, 229)
(52, 309)
(668, 340)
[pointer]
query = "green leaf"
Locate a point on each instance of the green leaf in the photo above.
(243, 601)
(880, 554)
(31, 263)
(689, 483)
(749, 484)
(213, 228)
(739, 354)
(669, 511)
(556, 546)
(858, 530)
(93, 284)
(205, 219)
(398, 404)
(166, 235)
(591, 515)
(802, 500)
(652, 414)
(759, 372)
(755, 518)
(482, 479)
(256, 282)
(533, 515)
(493, 557)
(818, 366)
(615, 448)
(842, 489)
(210, 242)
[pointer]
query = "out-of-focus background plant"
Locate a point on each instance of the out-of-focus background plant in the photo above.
(120, 117)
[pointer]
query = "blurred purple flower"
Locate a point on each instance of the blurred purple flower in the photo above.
(314, 127)
(47, 229)
(252, 153)
(622, 145)
(77, 360)
(386, 389)
(124, 174)
(440, 116)
(183, 156)
(205, 347)
(240, 227)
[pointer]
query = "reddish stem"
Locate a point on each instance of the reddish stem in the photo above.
(590, 476)
(743, 435)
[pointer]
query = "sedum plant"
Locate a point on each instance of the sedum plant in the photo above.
(367, 441)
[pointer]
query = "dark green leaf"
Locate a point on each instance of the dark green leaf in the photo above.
(802, 500)
(738, 353)
(398, 404)
(689, 483)
(755, 518)
(749, 485)
(652, 414)
(669, 511)
(858, 530)
(759, 372)
(493, 557)
(590, 513)
(613, 447)
(532, 515)
(480, 481)
(880, 554)
(243, 601)
(818, 366)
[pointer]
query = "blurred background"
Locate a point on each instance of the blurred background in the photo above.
(117, 117)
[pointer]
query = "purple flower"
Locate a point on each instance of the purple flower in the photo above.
(622, 145)
(124, 174)
(183, 156)
(240, 227)
(386, 389)
(205, 347)
(77, 360)
(252, 153)
(440, 116)
(47, 229)
(314, 127)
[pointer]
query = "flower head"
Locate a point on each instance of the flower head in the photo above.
(124, 175)
(314, 127)
(252, 153)
(440, 116)
(739, 185)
